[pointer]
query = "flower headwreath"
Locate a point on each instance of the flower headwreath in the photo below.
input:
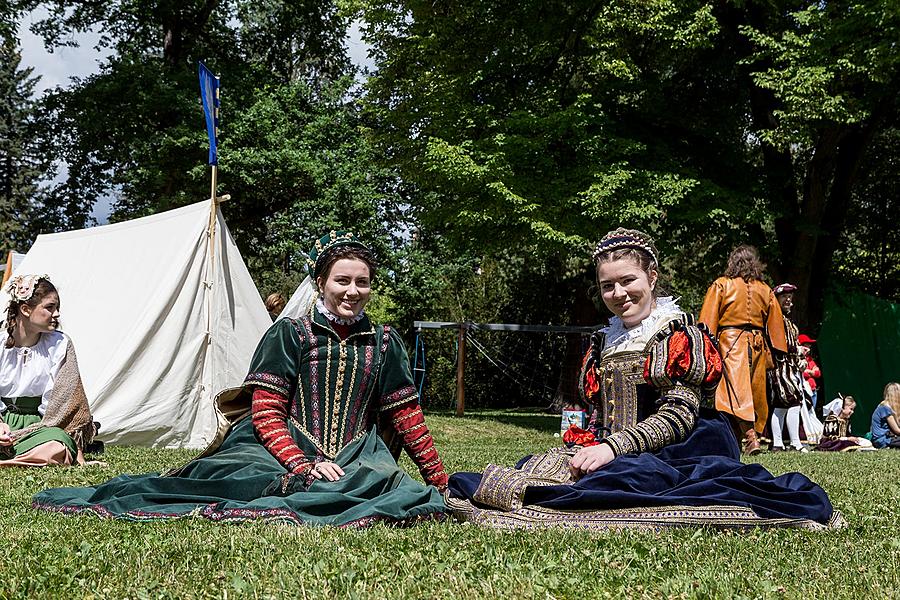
(21, 287)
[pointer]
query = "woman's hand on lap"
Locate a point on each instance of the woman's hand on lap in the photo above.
(327, 470)
(5, 439)
(589, 459)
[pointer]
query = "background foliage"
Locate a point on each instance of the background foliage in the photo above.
(490, 146)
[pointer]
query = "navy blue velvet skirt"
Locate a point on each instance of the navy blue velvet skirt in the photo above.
(703, 470)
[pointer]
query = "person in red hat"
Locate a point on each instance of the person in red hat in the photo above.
(811, 370)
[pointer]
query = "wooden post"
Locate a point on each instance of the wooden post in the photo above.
(460, 370)
(8, 272)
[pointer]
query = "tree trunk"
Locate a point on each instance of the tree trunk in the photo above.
(821, 260)
(583, 313)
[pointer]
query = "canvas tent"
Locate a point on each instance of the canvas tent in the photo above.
(301, 301)
(159, 323)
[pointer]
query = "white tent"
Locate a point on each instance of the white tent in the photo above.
(159, 324)
(301, 301)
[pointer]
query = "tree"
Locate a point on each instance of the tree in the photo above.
(826, 84)
(868, 258)
(293, 153)
(539, 125)
(23, 165)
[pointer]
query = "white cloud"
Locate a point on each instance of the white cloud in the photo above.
(58, 67)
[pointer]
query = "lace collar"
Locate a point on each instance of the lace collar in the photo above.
(320, 306)
(617, 333)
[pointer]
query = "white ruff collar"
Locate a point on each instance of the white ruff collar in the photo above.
(320, 306)
(617, 334)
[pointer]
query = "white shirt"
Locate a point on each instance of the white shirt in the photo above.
(31, 371)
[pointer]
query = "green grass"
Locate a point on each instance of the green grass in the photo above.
(49, 555)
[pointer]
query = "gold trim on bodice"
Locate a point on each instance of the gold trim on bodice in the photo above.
(620, 374)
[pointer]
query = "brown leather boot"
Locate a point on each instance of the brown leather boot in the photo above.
(751, 443)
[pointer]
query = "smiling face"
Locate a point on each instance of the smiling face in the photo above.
(627, 289)
(44, 317)
(346, 287)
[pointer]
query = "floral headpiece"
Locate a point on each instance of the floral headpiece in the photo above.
(327, 243)
(21, 287)
(626, 238)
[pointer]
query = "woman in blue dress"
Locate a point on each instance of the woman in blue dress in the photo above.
(656, 452)
(885, 426)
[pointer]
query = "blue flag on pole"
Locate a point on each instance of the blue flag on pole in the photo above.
(209, 94)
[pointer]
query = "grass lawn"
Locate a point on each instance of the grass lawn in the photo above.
(50, 555)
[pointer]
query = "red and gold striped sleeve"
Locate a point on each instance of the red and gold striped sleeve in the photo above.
(399, 403)
(269, 415)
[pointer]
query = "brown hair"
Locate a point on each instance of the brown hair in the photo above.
(41, 289)
(848, 400)
(275, 303)
(346, 251)
(892, 397)
(640, 257)
(744, 262)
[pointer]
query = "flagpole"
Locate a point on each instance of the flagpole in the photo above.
(211, 230)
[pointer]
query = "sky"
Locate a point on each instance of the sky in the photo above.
(59, 67)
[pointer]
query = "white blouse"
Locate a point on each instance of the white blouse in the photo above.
(31, 371)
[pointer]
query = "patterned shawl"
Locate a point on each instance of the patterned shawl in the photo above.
(68, 406)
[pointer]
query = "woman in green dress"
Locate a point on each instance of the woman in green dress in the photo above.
(313, 434)
(44, 414)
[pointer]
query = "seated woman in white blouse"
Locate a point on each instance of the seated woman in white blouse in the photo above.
(44, 414)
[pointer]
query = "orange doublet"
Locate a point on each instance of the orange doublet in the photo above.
(741, 316)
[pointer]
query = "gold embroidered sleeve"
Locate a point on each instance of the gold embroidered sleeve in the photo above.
(675, 419)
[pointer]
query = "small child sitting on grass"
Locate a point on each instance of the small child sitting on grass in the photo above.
(836, 430)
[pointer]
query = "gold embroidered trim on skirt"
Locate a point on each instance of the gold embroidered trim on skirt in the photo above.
(504, 487)
(652, 518)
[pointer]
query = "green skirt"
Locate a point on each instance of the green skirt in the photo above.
(242, 481)
(43, 435)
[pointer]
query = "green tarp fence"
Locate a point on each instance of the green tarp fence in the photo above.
(859, 350)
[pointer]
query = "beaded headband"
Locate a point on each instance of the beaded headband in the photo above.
(626, 238)
(21, 287)
(327, 243)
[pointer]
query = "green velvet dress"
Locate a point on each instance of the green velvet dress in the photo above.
(338, 390)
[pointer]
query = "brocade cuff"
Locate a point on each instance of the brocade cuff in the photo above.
(398, 398)
(268, 381)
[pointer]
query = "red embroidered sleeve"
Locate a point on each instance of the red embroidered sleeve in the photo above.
(269, 414)
(409, 423)
(589, 383)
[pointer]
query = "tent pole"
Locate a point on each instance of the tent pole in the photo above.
(214, 205)
(211, 257)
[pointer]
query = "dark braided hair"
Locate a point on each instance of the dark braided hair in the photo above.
(643, 252)
(41, 289)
